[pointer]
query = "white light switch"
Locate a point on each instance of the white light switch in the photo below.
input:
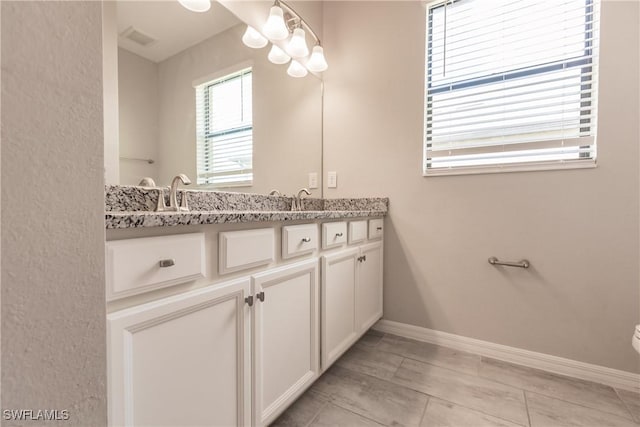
(332, 180)
(313, 180)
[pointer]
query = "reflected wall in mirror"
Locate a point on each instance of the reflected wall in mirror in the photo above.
(166, 56)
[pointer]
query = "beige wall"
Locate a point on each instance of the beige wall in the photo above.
(110, 91)
(286, 123)
(138, 116)
(53, 296)
(579, 228)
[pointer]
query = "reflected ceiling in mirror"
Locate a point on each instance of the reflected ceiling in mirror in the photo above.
(165, 54)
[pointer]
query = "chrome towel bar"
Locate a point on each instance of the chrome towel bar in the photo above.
(522, 264)
(137, 159)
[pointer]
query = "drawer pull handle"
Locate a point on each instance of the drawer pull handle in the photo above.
(306, 239)
(338, 234)
(167, 263)
(260, 296)
(378, 228)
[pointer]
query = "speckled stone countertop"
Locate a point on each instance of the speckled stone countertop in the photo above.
(133, 207)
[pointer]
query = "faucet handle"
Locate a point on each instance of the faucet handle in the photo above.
(184, 203)
(160, 205)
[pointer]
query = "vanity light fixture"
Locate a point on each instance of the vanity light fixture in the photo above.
(253, 38)
(196, 5)
(316, 62)
(278, 56)
(275, 28)
(282, 22)
(296, 69)
(297, 47)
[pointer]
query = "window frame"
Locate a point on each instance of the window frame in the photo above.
(203, 131)
(586, 64)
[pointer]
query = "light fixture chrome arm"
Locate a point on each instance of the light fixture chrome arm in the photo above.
(296, 16)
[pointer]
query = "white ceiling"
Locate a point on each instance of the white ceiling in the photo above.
(174, 27)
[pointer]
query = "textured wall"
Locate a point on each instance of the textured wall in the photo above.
(53, 306)
(579, 228)
(110, 91)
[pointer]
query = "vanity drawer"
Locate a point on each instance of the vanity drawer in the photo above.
(334, 234)
(376, 228)
(299, 240)
(357, 231)
(141, 265)
(239, 250)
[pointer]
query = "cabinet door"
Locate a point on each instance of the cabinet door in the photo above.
(339, 330)
(286, 337)
(183, 360)
(369, 290)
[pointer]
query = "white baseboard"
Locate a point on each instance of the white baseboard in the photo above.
(558, 365)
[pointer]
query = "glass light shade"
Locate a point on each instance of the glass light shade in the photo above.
(296, 69)
(297, 45)
(278, 56)
(316, 62)
(196, 5)
(253, 38)
(275, 28)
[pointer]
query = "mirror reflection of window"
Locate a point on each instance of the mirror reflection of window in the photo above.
(224, 128)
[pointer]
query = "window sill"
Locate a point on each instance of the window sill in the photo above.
(219, 186)
(531, 167)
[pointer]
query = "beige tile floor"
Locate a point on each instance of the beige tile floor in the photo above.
(393, 381)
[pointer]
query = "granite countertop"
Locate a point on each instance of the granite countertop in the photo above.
(133, 207)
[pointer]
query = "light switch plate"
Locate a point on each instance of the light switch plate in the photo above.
(332, 180)
(313, 180)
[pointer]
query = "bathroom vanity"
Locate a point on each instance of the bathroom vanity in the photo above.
(225, 315)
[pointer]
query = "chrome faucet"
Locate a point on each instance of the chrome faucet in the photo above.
(147, 182)
(275, 193)
(296, 203)
(173, 194)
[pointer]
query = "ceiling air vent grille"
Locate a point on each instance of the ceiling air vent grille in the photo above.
(137, 37)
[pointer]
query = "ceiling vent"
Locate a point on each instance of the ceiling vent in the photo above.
(137, 37)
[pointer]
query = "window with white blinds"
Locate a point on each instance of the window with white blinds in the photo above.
(510, 85)
(224, 128)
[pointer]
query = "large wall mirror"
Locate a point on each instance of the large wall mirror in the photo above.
(262, 132)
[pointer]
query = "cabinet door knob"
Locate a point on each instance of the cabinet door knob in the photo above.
(306, 239)
(167, 263)
(364, 257)
(249, 300)
(260, 296)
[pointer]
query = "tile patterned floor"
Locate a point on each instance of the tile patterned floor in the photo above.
(386, 380)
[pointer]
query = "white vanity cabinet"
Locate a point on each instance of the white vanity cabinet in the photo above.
(286, 350)
(183, 360)
(240, 332)
(235, 353)
(351, 297)
(369, 287)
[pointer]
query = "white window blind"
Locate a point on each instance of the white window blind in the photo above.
(224, 128)
(510, 84)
